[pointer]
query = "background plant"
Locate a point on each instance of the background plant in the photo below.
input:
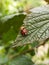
(16, 49)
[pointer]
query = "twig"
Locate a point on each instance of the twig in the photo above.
(22, 53)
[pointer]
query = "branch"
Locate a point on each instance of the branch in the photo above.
(22, 53)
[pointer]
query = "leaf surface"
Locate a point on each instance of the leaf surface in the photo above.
(37, 24)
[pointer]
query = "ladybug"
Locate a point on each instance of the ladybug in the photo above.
(23, 31)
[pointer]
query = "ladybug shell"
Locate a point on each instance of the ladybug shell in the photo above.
(23, 31)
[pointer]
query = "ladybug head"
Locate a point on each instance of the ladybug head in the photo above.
(23, 31)
(22, 28)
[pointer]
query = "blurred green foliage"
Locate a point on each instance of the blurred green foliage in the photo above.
(14, 6)
(12, 14)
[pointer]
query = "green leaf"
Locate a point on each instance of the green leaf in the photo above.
(37, 24)
(9, 36)
(3, 59)
(34, 44)
(11, 21)
(21, 60)
(9, 27)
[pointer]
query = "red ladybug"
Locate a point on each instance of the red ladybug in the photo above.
(23, 31)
